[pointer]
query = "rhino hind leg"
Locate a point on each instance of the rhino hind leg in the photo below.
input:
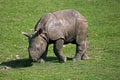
(58, 45)
(81, 43)
(85, 55)
(80, 52)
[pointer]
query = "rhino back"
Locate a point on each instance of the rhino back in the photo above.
(60, 24)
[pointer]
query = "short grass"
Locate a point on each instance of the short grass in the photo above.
(104, 37)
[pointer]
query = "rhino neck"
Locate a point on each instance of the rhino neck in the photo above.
(44, 37)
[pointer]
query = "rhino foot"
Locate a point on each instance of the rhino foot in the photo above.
(76, 59)
(63, 59)
(85, 57)
(41, 60)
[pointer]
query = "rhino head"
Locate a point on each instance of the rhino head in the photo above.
(37, 45)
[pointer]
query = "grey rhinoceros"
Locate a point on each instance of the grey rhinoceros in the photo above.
(59, 28)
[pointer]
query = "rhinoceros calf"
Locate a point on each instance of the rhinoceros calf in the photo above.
(61, 27)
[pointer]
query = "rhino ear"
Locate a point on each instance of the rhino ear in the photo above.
(38, 32)
(27, 34)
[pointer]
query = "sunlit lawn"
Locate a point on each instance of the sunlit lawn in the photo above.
(104, 36)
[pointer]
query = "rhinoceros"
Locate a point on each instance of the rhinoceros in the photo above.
(59, 28)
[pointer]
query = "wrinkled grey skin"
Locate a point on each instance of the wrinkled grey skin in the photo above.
(61, 27)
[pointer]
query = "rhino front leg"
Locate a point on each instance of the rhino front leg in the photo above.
(58, 45)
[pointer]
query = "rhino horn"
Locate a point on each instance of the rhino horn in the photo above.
(27, 34)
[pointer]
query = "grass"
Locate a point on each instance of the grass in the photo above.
(104, 37)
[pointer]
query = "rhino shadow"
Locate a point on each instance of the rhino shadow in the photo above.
(19, 63)
(51, 59)
(55, 59)
(22, 63)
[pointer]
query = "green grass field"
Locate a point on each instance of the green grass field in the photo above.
(104, 37)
